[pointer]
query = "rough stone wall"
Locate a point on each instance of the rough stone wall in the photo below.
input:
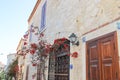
(80, 16)
(64, 17)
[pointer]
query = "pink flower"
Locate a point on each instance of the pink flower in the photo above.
(25, 36)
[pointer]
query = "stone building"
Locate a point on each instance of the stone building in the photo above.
(96, 25)
(21, 60)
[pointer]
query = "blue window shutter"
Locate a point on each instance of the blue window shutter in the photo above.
(43, 16)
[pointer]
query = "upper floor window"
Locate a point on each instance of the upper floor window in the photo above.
(43, 16)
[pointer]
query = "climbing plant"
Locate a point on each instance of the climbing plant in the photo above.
(13, 69)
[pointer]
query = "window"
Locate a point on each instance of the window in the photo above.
(43, 16)
(30, 36)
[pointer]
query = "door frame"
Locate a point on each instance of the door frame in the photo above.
(114, 34)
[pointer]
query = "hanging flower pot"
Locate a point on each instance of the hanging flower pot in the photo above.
(75, 54)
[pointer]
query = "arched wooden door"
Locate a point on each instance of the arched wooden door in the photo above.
(102, 58)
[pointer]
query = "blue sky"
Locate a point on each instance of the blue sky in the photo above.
(13, 24)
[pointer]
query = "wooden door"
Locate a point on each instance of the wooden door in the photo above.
(107, 58)
(93, 61)
(102, 59)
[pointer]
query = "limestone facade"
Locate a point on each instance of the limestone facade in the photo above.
(87, 19)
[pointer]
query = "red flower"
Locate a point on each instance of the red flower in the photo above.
(34, 64)
(60, 41)
(16, 68)
(48, 46)
(32, 51)
(63, 39)
(66, 47)
(46, 51)
(33, 45)
(75, 54)
(55, 41)
(25, 43)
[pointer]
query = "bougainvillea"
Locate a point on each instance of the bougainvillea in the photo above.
(16, 68)
(41, 49)
(34, 46)
(61, 43)
(25, 43)
(34, 64)
(32, 51)
(13, 69)
(25, 36)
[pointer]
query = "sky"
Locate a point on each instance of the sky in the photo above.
(13, 24)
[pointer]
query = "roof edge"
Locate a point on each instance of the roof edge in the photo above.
(19, 43)
(34, 9)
